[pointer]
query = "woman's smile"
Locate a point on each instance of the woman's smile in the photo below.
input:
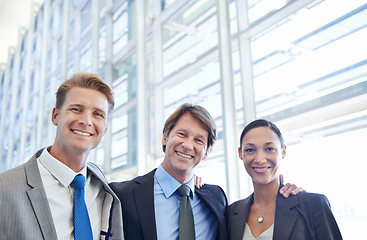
(261, 170)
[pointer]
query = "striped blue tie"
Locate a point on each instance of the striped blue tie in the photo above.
(82, 227)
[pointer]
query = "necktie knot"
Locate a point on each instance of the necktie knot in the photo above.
(184, 191)
(78, 182)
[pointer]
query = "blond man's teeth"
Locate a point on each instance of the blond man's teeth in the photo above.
(183, 155)
(81, 133)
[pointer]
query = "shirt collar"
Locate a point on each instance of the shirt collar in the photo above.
(60, 171)
(169, 184)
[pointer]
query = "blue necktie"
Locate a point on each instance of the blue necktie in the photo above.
(82, 227)
(186, 226)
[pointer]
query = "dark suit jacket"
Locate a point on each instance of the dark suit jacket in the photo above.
(24, 208)
(137, 200)
(304, 216)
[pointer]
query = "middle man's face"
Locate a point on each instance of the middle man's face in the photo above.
(186, 146)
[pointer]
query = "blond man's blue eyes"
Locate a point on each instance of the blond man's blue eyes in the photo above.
(97, 114)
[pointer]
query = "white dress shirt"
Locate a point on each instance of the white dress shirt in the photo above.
(268, 234)
(56, 178)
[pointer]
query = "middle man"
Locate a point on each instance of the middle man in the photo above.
(150, 203)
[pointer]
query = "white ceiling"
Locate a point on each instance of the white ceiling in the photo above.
(14, 14)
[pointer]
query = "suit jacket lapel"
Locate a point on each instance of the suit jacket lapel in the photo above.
(285, 217)
(144, 199)
(213, 204)
(112, 223)
(284, 221)
(38, 199)
(239, 218)
(210, 201)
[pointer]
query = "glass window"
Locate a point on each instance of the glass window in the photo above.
(59, 51)
(86, 18)
(72, 30)
(100, 159)
(70, 70)
(119, 123)
(121, 27)
(124, 85)
(189, 35)
(123, 150)
(86, 56)
(260, 8)
(299, 57)
(20, 93)
(51, 25)
(35, 23)
(46, 122)
(311, 81)
(200, 84)
(28, 150)
(124, 146)
(49, 62)
(61, 17)
(102, 41)
(17, 126)
(14, 161)
(150, 63)
(167, 3)
(119, 147)
(325, 163)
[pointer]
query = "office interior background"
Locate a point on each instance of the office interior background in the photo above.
(299, 63)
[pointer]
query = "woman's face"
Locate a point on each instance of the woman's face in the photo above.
(260, 153)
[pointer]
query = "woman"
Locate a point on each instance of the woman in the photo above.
(265, 214)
